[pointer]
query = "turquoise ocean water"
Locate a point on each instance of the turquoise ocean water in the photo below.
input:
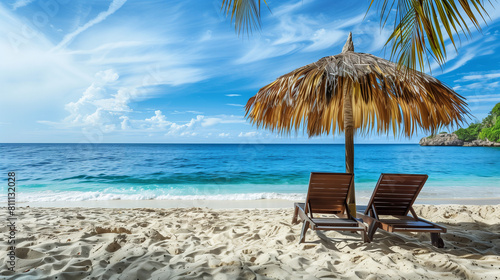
(78, 172)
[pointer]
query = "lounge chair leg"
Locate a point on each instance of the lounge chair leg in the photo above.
(305, 227)
(436, 240)
(372, 229)
(295, 214)
(366, 239)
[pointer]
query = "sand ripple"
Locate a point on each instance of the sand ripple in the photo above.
(196, 243)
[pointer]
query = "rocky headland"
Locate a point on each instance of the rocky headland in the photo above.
(451, 139)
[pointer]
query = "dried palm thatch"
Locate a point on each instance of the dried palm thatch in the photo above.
(352, 92)
(382, 98)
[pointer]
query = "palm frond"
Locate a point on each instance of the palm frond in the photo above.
(244, 13)
(420, 27)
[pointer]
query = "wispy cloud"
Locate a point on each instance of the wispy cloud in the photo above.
(113, 7)
(224, 119)
(478, 81)
(101, 107)
(290, 7)
(249, 134)
(485, 97)
(456, 59)
(298, 31)
(461, 61)
(21, 3)
(323, 39)
(184, 112)
(170, 72)
(481, 77)
(109, 47)
(263, 51)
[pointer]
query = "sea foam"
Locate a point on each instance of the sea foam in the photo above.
(49, 196)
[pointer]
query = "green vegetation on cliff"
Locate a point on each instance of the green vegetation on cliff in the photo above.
(489, 128)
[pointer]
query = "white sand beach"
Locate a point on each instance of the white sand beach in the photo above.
(204, 243)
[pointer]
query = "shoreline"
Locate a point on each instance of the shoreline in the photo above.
(231, 204)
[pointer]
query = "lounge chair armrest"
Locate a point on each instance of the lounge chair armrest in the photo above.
(366, 219)
(361, 223)
(366, 229)
(302, 213)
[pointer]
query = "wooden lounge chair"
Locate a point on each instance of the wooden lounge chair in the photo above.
(394, 196)
(327, 194)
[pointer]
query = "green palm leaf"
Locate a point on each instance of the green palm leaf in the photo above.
(420, 27)
(244, 13)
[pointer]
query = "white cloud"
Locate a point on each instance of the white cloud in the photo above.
(222, 119)
(323, 39)
(294, 29)
(206, 36)
(484, 98)
(249, 134)
(262, 51)
(96, 101)
(482, 85)
(98, 106)
(478, 81)
(21, 3)
(153, 54)
(100, 118)
(177, 129)
(107, 76)
(289, 8)
(113, 7)
(183, 112)
(353, 21)
(125, 124)
(103, 107)
(211, 121)
(118, 102)
(461, 61)
(235, 105)
(107, 48)
(224, 135)
(481, 77)
(297, 31)
(158, 121)
(25, 55)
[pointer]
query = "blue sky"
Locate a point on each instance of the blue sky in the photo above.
(175, 71)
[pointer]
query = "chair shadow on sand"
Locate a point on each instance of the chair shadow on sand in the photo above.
(470, 240)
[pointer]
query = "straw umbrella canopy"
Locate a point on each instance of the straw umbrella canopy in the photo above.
(352, 92)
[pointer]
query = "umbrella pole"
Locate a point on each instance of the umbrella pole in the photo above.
(349, 144)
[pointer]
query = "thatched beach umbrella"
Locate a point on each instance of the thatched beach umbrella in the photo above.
(352, 92)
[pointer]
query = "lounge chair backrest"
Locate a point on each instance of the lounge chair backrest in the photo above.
(396, 193)
(327, 192)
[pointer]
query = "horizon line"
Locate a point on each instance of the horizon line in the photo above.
(215, 143)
